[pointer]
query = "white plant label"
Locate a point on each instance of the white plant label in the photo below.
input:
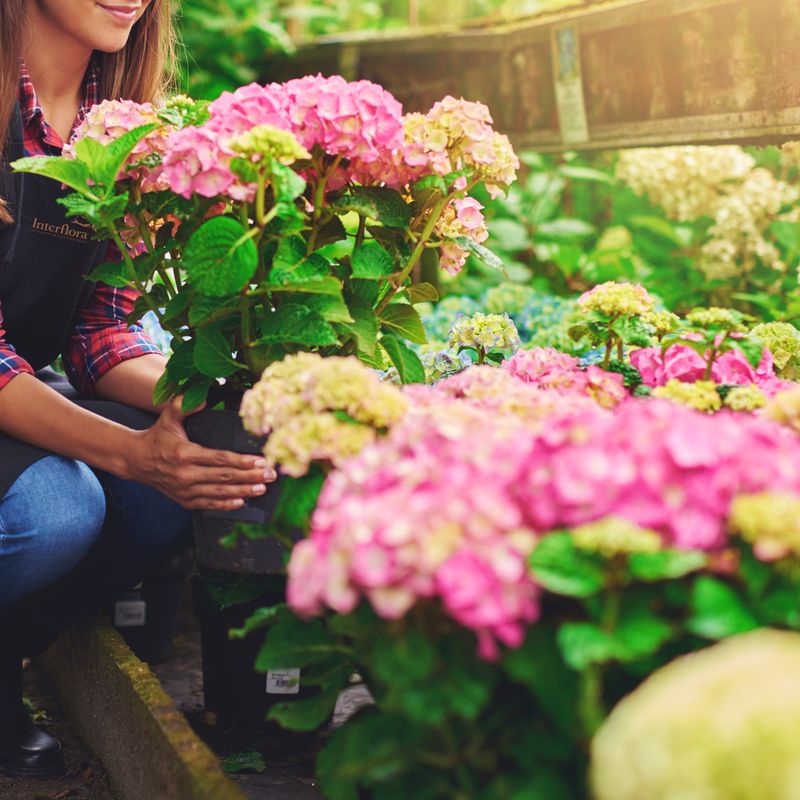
(283, 681)
(130, 613)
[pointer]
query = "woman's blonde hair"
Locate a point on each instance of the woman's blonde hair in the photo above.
(141, 71)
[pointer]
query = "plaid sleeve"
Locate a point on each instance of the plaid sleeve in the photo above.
(102, 337)
(11, 364)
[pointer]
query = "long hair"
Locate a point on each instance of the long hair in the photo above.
(141, 71)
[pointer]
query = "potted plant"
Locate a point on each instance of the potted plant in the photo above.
(278, 219)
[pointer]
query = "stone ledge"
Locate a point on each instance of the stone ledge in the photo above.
(124, 716)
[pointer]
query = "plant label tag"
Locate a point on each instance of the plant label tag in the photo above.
(130, 613)
(283, 681)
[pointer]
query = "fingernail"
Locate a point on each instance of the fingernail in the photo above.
(237, 503)
(270, 475)
(259, 488)
(260, 463)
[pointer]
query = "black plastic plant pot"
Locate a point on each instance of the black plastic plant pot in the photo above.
(147, 616)
(223, 430)
(232, 690)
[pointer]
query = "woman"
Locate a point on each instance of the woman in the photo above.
(92, 489)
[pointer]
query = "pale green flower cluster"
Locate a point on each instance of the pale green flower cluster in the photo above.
(784, 408)
(783, 341)
(315, 437)
(617, 299)
(663, 322)
(770, 521)
(726, 319)
(738, 241)
(700, 395)
(687, 182)
(721, 724)
(316, 408)
(484, 332)
(745, 398)
(612, 536)
(268, 142)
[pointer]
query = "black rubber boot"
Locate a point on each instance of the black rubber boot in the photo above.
(25, 750)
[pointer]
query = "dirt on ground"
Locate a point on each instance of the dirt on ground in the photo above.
(84, 779)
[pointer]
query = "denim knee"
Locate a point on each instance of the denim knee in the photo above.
(50, 519)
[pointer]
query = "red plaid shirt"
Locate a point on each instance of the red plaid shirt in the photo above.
(102, 337)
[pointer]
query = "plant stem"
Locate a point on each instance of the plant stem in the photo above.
(362, 228)
(609, 350)
(427, 231)
(319, 202)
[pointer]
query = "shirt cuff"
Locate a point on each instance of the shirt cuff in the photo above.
(12, 365)
(91, 357)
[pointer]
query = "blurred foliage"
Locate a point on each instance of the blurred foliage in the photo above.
(569, 224)
(229, 42)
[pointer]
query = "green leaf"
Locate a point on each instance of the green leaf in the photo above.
(640, 633)
(330, 307)
(298, 499)
(71, 173)
(364, 325)
(537, 665)
(404, 320)
(480, 252)
(194, 396)
(372, 262)
(665, 565)
(403, 659)
(588, 174)
(379, 203)
(260, 618)
(718, 611)
(244, 762)
(291, 264)
(584, 643)
(659, 226)
(286, 183)
(422, 293)
(563, 569)
(404, 359)
(217, 260)
(117, 152)
(787, 233)
(307, 714)
(565, 229)
(293, 642)
(296, 324)
(112, 273)
(164, 389)
(212, 353)
(318, 285)
(177, 306)
(233, 590)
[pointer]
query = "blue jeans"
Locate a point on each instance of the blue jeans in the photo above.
(70, 538)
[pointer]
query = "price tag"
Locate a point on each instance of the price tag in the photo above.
(283, 681)
(130, 613)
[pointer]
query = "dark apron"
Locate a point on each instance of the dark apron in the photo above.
(44, 260)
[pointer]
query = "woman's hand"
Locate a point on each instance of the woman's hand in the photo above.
(194, 476)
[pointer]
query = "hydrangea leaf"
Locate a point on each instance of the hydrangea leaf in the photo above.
(563, 569)
(379, 203)
(218, 259)
(296, 324)
(307, 714)
(404, 359)
(372, 262)
(404, 320)
(71, 173)
(212, 353)
(718, 611)
(665, 564)
(480, 252)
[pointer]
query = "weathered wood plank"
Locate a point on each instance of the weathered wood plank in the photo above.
(653, 71)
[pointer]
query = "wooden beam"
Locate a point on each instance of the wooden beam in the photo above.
(646, 72)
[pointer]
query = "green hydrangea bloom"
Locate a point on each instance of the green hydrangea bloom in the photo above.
(722, 724)
(613, 536)
(485, 332)
(267, 141)
(783, 341)
(725, 319)
(770, 521)
(745, 398)
(701, 395)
